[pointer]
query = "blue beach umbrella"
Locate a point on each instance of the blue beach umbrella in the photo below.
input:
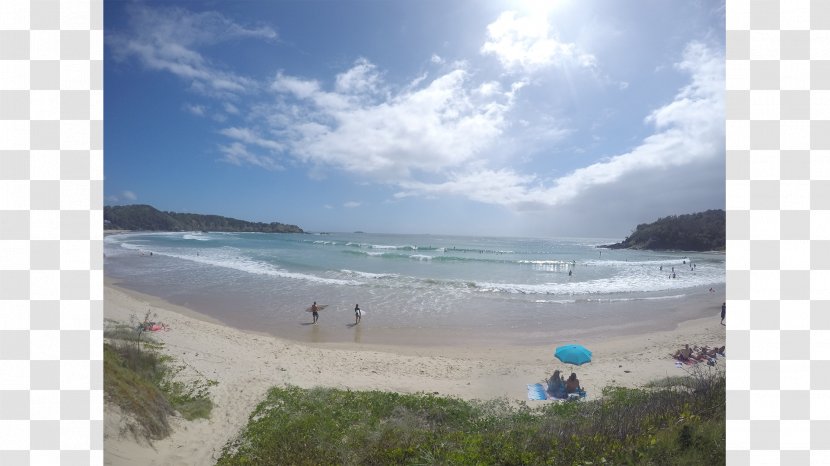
(573, 354)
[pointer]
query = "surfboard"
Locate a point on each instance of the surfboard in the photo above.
(320, 307)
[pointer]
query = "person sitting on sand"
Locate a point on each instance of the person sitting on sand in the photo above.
(705, 354)
(683, 354)
(556, 385)
(572, 384)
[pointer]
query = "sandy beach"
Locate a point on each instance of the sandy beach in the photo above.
(246, 364)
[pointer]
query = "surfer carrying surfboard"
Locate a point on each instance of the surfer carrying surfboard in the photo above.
(357, 314)
(314, 313)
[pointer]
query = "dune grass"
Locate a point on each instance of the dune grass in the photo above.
(681, 421)
(143, 383)
(137, 396)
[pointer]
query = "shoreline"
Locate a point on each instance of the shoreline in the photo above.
(246, 364)
(580, 320)
(411, 301)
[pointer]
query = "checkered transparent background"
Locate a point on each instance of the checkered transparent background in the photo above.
(778, 231)
(51, 245)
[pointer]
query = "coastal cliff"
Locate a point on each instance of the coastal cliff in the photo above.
(702, 231)
(147, 218)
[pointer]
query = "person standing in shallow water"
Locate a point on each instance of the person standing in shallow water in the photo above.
(357, 314)
(314, 313)
(722, 313)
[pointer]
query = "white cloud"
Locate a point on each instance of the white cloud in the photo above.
(688, 130)
(502, 187)
(123, 196)
(527, 44)
(237, 154)
(362, 78)
(187, 28)
(248, 136)
(364, 128)
(230, 108)
(436, 59)
(298, 87)
(351, 204)
(198, 110)
(166, 39)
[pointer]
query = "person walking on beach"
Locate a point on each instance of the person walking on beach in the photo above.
(314, 313)
(357, 313)
(722, 313)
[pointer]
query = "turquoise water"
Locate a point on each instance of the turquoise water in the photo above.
(264, 281)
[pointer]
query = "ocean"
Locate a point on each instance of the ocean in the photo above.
(490, 287)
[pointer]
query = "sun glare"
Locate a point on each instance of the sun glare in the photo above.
(538, 7)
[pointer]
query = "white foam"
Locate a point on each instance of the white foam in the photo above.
(617, 284)
(542, 262)
(130, 246)
(668, 262)
(420, 257)
(197, 237)
(245, 264)
(641, 298)
(369, 274)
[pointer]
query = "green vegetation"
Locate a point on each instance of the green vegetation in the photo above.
(677, 421)
(703, 231)
(148, 218)
(143, 383)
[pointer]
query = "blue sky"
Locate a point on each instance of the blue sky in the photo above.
(519, 118)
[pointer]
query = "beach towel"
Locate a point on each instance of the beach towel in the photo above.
(153, 326)
(537, 391)
(711, 360)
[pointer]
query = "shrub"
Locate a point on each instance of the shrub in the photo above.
(135, 394)
(681, 421)
(144, 383)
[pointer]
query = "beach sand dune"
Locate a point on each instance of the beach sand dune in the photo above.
(246, 364)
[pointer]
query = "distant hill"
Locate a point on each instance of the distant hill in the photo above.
(703, 231)
(147, 218)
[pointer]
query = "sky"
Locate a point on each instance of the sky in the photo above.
(559, 118)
